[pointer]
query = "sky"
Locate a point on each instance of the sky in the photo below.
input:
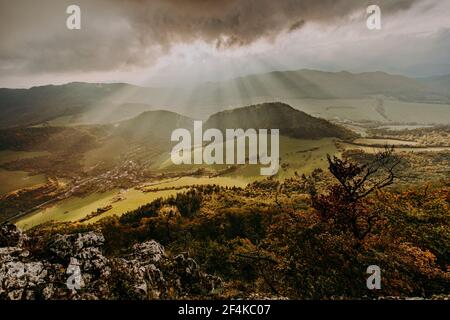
(163, 43)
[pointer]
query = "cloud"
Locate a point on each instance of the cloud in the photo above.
(124, 34)
(238, 22)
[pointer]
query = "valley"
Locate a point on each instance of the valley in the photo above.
(118, 202)
(114, 173)
(124, 187)
(15, 180)
(224, 156)
(106, 161)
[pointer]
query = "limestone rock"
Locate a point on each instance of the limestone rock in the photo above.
(149, 252)
(145, 272)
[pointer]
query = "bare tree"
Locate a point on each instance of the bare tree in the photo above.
(359, 180)
(344, 204)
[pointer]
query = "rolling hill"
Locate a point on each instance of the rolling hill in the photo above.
(38, 104)
(154, 129)
(291, 122)
(152, 125)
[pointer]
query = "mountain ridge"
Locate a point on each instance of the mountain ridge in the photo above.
(25, 107)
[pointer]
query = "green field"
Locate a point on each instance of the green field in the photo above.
(297, 155)
(303, 156)
(377, 148)
(381, 142)
(76, 208)
(184, 181)
(389, 110)
(14, 180)
(10, 155)
(68, 210)
(107, 153)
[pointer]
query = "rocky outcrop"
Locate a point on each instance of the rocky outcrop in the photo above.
(73, 266)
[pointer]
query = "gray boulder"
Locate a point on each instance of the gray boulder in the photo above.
(73, 266)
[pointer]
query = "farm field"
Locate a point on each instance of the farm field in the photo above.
(376, 110)
(296, 155)
(375, 148)
(14, 180)
(391, 142)
(10, 155)
(76, 208)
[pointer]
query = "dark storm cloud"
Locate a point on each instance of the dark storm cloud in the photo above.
(118, 34)
(238, 22)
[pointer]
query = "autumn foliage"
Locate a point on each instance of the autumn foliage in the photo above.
(309, 237)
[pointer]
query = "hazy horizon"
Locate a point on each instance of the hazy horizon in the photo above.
(67, 82)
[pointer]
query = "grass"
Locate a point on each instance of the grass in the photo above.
(375, 149)
(366, 110)
(380, 142)
(70, 209)
(75, 208)
(297, 155)
(103, 154)
(183, 181)
(10, 155)
(303, 156)
(14, 180)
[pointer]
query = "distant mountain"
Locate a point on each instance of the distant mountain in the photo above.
(326, 85)
(22, 107)
(102, 113)
(291, 122)
(38, 104)
(152, 125)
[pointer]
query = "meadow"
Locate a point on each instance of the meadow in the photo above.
(14, 180)
(76, 208)
(296, 156)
